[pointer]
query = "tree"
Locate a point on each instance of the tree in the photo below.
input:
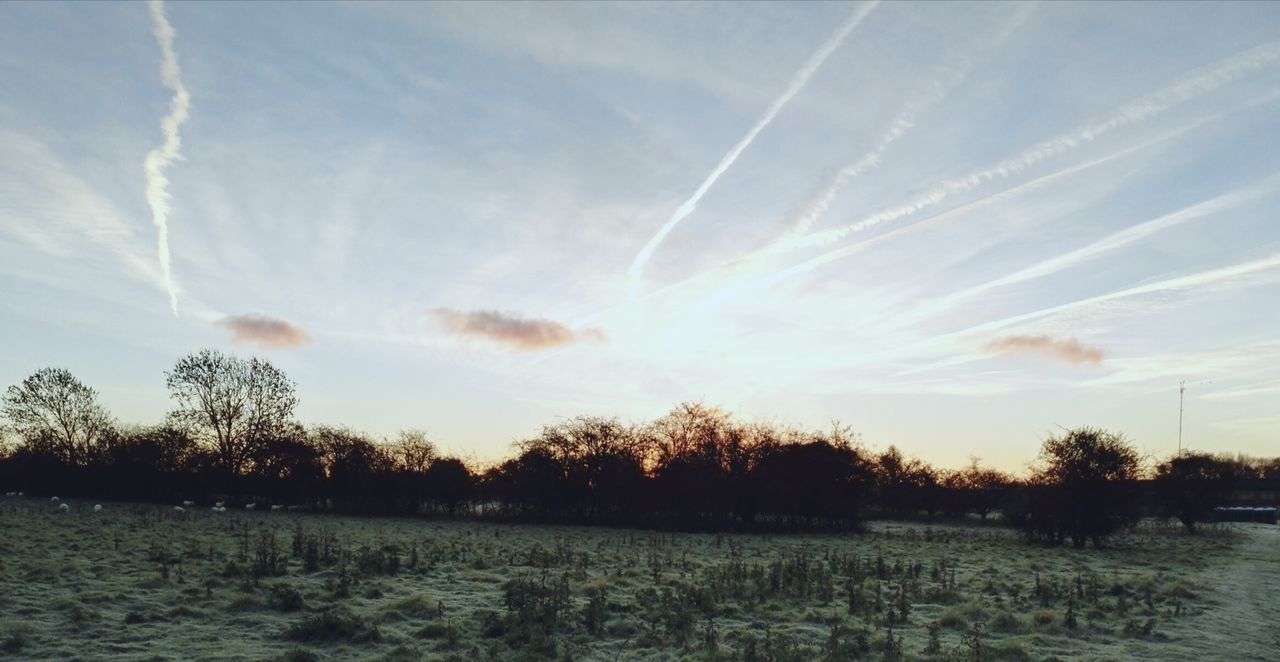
(1191, 485)
(55, 413)
(601, 460)
(413, 452)
(357, 469)
(230, 404)
(1085, 487)
(906, 486)
(977, 489)
(449, 484)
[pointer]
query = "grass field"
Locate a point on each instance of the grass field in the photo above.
(144, 582)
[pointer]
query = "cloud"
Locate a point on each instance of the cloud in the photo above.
(264, 331)
(512, 330)
(1069, 350)
(159, 159)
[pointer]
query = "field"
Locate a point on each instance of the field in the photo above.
(145, 582)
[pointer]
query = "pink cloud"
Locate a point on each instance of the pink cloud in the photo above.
(512, 330)
(264, 331)
(1069, 350)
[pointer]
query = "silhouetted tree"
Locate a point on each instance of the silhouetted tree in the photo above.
(449, 484)
(1191, 485)
(600, 462)
(1084, 488)
(413, 452)
(975, 489)
(814, 482)
(906, 486)
(532, 485)
(53, 412)
(150, 464)
(288, 467)
(356, 469)
(693, 450)
(232, 405)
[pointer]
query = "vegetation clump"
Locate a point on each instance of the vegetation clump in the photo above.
(333, 624)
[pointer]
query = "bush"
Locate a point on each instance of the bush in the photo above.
(1085, 489)
(299, 655)
(337, 624)
(285, 598)
(15, 641)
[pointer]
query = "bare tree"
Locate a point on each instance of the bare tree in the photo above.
(230, 404)
(413, 451)
(53, 411)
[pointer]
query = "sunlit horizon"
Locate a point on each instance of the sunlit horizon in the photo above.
(957, 229)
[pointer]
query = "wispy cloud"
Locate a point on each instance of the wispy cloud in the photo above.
(1068, 350)
(159, 159)
(513, 330)
(798, 81)
(264, 331)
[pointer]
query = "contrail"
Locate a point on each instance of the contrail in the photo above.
(901, 124)
(1175, 284)
(1107, 244)
(898, 127)
(798, 81)
(1201, 81)
(160, 158)
(734, 290)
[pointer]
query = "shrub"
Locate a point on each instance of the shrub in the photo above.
(298, 655)
(245, 602)
(1005, 622)
(438, 630)
(15, 641)
(337, 624)
(284, 598)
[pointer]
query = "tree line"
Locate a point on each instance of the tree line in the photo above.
(232, 435)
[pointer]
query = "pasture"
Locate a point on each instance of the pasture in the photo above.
(147, 582)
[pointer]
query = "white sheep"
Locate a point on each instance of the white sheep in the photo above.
(22, 494)
(53, 499)
(179, 509)
(97, 507)
(276, 509)
(219, 504)
(64, 507)
(188, 504)
(250, 506)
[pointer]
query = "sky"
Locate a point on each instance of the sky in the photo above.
(957, 228)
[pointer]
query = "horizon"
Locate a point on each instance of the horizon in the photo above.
(956, 229)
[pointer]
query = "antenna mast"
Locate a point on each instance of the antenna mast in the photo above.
(1182, 390)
